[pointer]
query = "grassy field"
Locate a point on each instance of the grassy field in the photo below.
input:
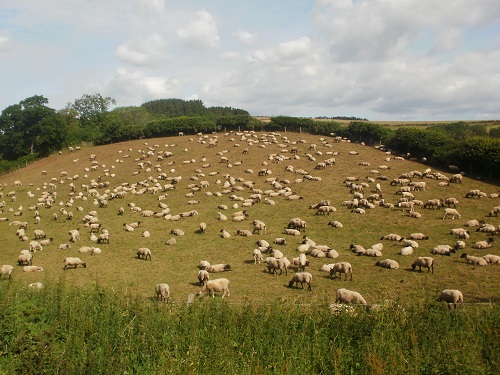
(118, 269)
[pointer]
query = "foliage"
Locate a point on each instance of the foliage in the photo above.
(368, 133)
(56, 330)
(172, 126)
(91, 109)
(30, 127)
(494, 132)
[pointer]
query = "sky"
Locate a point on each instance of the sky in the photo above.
(377, 59)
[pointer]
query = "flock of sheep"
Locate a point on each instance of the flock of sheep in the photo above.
(156, 175)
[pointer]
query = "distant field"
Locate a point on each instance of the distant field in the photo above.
(194, 161)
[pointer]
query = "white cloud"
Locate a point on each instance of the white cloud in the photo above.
(295, 48)
(201, 32)
(244, 37)
(4, 43)
(148, 51)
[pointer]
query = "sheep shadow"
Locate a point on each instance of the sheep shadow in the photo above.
(249, 261)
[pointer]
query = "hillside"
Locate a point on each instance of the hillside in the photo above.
(195, 161)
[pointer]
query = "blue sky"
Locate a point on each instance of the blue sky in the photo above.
(379, 59)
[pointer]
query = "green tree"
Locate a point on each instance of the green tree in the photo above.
(30, 127)
(494, 132)
(92, 109)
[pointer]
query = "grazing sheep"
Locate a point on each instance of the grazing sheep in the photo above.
(203, 276)
(73, 262)
(64, 246)
(388, 263)
(483, 244)
(476, 261)
(203, 228)
(34, 246)
(215, 268)
(216, 285)
(301, 277)
(144, 252)
(6, 270)
(492, 259)
(494, 211)
(342, 267)
(23, 259)
(32, 269)
(348, 296)
(74, 235)
(451, 212)
(426, 262)
(451, 297)
(162, 292)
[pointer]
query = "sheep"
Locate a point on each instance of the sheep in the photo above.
(74, 235)
(301, 277)
(215, 268)
(162, 292)
(221, 216)
(203, 277)
(407, 250)
(391, 237)
(177, 232)
(418, 236)
(46, 242)
(458, 231)
(348, 296)
(388, 263)
(32, 269)
(259, 227)
(451, 212)
(427, 262)
(104, 237)
(302, 262)
(371, 253)
(34, 246)
(224, 233)
(36, 286)
(64, 246)
(144, 252)
(451, 297)
(6, 270)
(474, 223)
(244, 232)
(494, 211)
(280, 241)
(291, 232)
(451, 201)
(492, 259)
(257, 256)
(442, 250)
(39, 234)
(342, 267)
(171, 241)
(325, 210)
(216, 285)
(25, 258)
(483, 244)
(317, 253)
(262, 243)
(203, 264)
(95, 251)
(203, 228)
(335, 224)
(474, 260)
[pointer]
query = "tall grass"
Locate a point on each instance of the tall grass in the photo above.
(64, 330)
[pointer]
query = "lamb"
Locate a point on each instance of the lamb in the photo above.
(342, 267)
(492, 259)
(476, 261)
(483, 244)
(162, 292)
(391, 237)
(348, 296)
(216, 285)
(203, 277)
(451, 212)
(6, 270)
(144, 252)
(451, 297)
(32, 269)
(215, 268)
(257, 256)
(388, 263)
(426, 262)
(301, 277)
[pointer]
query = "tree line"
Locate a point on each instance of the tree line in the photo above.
(31, 129)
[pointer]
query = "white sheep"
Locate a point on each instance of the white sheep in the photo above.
(32, 269)
(341, 268)
(244, 232)
(477, 261)
(36, 286)
(407, 250)
(391, 237)
(177, 232)
(203, 264)
(171, 241)
(144, 252)
(163, 292)
(203, 228)
(418, 236)
(257, 256)
(291, 232)
(224, 233)
(203, 277)
(388, 263)
(6, 270)
(426, 262)
(348, 296)
(443, 250)
(215, 268)
(73, 262)
(492, 259)
(259, 227)
(280, 241)
(483, 244)
(451, 212)
(25, 258)
(216, 285)
(451, 297)
(95, 251)
(335, 224)
(301, 277)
